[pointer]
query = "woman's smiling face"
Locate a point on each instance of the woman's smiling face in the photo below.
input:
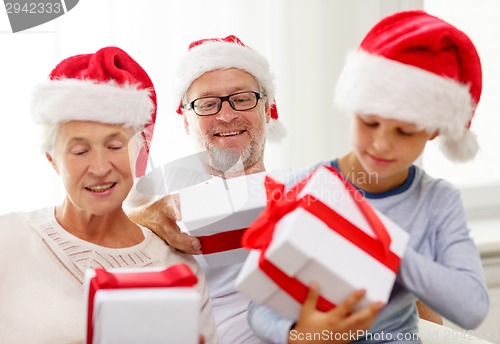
(93, 162)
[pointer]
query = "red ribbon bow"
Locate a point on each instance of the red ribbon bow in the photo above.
(279, 203)
(179, 275)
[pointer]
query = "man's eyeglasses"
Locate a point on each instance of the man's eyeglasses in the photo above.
(240, 101)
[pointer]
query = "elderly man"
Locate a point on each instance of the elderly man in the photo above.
(226, 94)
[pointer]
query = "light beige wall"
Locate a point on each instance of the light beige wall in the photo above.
(311, 39)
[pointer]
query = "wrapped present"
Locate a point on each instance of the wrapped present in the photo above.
(322, 230)
(147, 305)
(219, 211)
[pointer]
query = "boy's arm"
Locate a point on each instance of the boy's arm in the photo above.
(267, 325)
(456, 261)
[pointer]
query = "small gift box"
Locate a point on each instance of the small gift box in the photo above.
(322, 230)
(218, 212)
(147, 305)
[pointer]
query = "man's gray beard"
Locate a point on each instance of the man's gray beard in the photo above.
(228, 160)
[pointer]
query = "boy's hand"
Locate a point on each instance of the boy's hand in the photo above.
(340, 325)
(161, 217)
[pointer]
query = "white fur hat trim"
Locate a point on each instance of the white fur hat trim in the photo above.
(371, 84)
(64, 100)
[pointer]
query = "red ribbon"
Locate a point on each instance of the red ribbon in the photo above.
(231, 240)
(260, 233)
(178, 275)
(291, 285)
(223, 241)
(279, 203)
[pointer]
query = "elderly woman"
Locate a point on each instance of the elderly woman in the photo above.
(92, 109)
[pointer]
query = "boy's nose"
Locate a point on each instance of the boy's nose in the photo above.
(383, 142)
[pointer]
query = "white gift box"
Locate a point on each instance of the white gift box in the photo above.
(306, 249)
(219, 210)
(143, 315)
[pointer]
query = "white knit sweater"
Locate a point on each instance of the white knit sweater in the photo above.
(42, 268)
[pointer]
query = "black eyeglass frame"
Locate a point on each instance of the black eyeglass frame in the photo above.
(258, 96)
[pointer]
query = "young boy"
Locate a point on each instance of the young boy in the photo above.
(415, 77)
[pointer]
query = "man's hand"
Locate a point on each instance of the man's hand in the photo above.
(161, 217)
(340, 323)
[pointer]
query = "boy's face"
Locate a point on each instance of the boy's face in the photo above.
(387, 146)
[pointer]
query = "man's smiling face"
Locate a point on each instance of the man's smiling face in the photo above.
(233, 139)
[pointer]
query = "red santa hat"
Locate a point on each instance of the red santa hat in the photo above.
(210, 54)
(107, 86)
(417, 68)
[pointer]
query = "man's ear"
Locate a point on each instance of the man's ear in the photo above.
(52, 162)
(268, 112)
(186, 124)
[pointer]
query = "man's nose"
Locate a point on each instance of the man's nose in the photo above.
(226, 113)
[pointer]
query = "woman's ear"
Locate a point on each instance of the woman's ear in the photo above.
(434, 135)
(52, 162)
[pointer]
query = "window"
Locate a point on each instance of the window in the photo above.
(480, 178)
